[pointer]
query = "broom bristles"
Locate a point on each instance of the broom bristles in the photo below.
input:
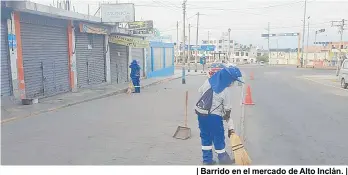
(240, 155)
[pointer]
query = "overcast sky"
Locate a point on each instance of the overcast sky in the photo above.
(248, 19)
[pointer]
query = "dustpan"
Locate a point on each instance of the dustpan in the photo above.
(240, 155)
(183, 132)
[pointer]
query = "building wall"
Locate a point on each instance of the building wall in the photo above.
(22, 50)
(161, 61)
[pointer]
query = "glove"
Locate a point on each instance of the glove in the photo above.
(230, 132)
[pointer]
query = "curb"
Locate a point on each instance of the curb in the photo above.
(117, 92)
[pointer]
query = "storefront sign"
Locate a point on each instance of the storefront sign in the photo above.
(140, 25)
(129, 41)
(143, 31)
(89, 28)
(120, 12)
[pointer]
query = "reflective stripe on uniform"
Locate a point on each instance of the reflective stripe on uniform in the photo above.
(207, 147)
(220, 151)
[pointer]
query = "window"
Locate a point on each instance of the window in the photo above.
(237, 53)
(169, 57)
(341, 46)
(246, 54)
(258, 54)
(220, 41)
(231, 46)
(241, 53)
(220, 47)
(158, 58)
(231, 41)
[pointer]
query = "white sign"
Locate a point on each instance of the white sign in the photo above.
(111, 13)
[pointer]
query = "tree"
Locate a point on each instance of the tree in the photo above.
(263, 58)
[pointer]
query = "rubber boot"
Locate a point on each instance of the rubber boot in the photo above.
(210, 163)
(225, 159)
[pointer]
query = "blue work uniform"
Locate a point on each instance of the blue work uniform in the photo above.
(211, 126)
(135, 75)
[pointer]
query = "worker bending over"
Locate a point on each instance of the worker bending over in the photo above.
(213, 107)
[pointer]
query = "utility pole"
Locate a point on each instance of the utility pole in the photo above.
(315, 40)
(177, 42)
(303, 31)
(341, 24)
(277, 49)
(269, 51)
(183, 41)
(188, 47)
(208, 44)
(229, 44)
(307, 44)
(196, 57)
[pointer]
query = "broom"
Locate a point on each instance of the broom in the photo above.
(240, 155)
(130, 88)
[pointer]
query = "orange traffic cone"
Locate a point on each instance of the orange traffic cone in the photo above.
(248, 100)
(251, 76)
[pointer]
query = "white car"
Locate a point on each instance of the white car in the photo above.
(344, 74)
(262, 63)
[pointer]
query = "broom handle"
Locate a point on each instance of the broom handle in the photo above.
(186, 103)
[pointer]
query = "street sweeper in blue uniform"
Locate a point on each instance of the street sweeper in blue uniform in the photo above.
(135, 75)
(212, 108)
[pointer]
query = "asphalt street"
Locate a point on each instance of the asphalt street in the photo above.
(126, 129)
(295, 121)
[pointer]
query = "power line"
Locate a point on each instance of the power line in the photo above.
(248, 27)
(251, 8)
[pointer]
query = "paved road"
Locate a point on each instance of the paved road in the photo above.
(119, 130)
(295, 121)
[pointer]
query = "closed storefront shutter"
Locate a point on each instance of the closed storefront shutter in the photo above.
(138, 54)
(90, 59)
(6, 88)
(45, 55)
(118, 63)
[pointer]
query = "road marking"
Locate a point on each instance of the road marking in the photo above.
(322, 83)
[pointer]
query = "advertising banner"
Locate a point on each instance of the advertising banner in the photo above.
(140, 25)
(129, 41)
(122, 12)
(89, 28)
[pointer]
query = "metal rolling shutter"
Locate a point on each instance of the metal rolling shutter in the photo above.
(98, 60)
(138, 54)
(6, 88)
(90, 61)
(119, 63)
(45, 55)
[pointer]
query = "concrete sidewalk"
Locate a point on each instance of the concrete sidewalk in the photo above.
(13, 110)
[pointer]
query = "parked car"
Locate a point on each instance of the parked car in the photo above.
(262, 63)
(215, 67)
(344, 74)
